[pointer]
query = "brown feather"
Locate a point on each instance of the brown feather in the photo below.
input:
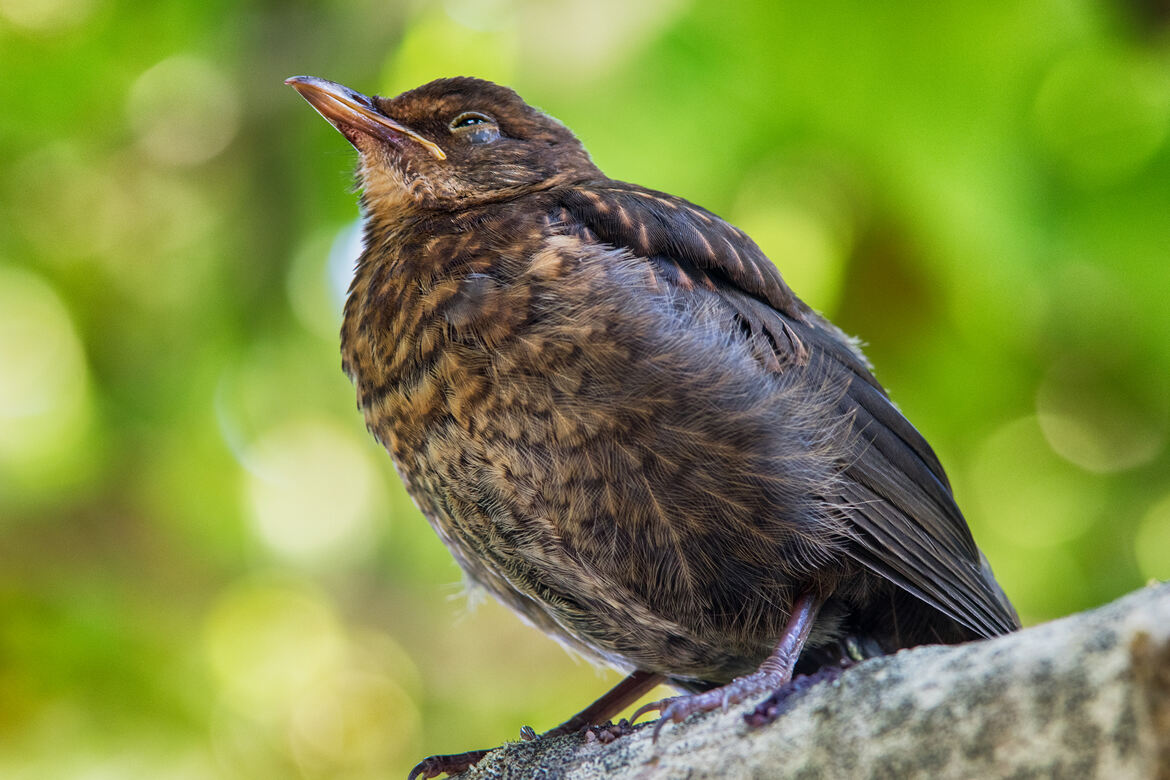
(621, 420)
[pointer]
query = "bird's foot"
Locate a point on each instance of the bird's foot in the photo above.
(678, 708)
(775, 705)
(453, 764)
(774, 673)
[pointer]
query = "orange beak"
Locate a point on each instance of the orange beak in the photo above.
(352, 112)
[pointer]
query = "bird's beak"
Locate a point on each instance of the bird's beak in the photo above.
(351, 111)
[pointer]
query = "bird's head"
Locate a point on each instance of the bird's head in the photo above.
(449, 144)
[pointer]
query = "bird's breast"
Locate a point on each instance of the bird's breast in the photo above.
(579, 435)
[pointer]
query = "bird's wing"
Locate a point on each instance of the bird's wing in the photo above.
(908, 528)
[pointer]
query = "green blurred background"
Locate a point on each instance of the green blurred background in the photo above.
(208, 569)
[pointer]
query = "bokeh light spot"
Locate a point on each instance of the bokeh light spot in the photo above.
(184, 111)
(437, 46)
(1091, 418)
(1027, 494)
(355, 719)
(291, 675)
(604, 34)
(802, 246)
(482, 14)
(343, 257)
(1152, 542)
(311, 493)
(62, 201)
(802, 219)
(46, 16)
(319, 277)
(146, 229)
(44, 388)
(269, 642)
(1101, 115)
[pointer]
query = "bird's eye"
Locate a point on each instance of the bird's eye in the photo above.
(469, 119)
(475, 127)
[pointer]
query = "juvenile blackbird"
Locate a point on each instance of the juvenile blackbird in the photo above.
(624, 424)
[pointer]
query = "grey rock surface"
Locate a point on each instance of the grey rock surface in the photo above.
(1086, 696)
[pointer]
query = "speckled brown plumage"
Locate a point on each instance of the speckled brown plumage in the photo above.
(616, 414)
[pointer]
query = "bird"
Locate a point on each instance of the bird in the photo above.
(623, 423)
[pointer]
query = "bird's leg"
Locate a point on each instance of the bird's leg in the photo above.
(611, 703)
(774, 673)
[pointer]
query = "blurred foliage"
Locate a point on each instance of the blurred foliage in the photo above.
(207, 569)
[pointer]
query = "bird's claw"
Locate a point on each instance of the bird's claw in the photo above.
(453, 764)
(653, 706)
(781, 699)
(676, 709)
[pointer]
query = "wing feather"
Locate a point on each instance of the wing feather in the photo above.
(907, 526)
